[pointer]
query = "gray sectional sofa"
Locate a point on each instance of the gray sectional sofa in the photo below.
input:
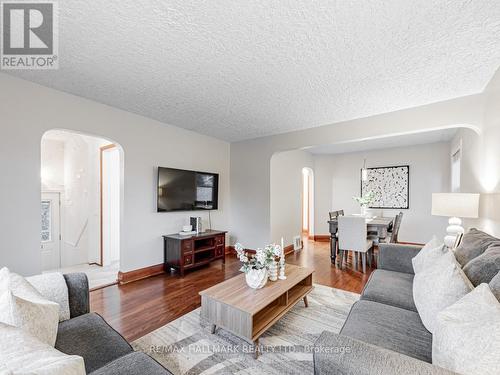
(383, 333)
(87, 334)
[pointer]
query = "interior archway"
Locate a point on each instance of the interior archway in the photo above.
(308, 202)
(82, 205)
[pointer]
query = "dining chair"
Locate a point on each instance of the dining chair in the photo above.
(335, 214)
(395, 228)
(352, 237)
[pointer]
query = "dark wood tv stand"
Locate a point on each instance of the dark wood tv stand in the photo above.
(188, 252)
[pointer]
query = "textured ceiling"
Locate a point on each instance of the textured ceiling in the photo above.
(444, 135)
(243, 69)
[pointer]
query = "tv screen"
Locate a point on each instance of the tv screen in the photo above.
(182, 190)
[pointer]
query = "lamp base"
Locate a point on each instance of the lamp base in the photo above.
(453, 230)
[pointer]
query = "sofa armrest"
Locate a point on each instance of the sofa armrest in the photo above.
(337, 354)
(78, 292)
(394, 257)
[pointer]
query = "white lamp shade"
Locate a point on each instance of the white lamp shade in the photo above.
(460, 205)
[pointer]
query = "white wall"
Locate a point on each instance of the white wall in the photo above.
(480, 166)
(250, 160)
(338, 180)
(52, 173)
(111, 205)
(286, 194)
(29, 110)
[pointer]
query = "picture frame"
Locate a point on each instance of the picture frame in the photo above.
(391, 186)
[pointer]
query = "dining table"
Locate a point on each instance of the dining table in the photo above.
(377, 224)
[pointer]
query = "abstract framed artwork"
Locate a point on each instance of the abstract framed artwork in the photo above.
(391, 186)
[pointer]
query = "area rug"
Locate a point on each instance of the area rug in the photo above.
(186, 346)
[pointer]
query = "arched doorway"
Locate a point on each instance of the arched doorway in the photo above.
(82, 190)
(307, 198)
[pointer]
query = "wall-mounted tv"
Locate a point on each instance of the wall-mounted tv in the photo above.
(183, 190)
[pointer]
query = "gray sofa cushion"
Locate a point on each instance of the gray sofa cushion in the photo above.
(132, 364)
(90, 337)
(390, 327)
(339, 354)
(78, 293)
(495, 286)
(397, 257)
(473, 244)
(482, 269)
(391, 288)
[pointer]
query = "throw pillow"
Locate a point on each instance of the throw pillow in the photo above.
(482, 269)
(473, 244)
(23, 307)
(467, 335)
(495, 286)
(53, 287)
(21, 353)
(429, 254)
(438, 287)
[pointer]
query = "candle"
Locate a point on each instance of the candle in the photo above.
(282, 261)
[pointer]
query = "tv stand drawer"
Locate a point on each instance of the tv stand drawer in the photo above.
(219, 240)
(187, 246)
(188, 260)
(219, 251)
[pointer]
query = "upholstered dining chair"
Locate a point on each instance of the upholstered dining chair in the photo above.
(352, 237)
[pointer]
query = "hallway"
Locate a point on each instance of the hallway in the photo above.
(98, 276)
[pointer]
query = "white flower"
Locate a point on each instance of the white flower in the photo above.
(277, 250)
(260, 256)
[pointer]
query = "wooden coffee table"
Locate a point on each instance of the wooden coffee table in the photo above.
(248, 313)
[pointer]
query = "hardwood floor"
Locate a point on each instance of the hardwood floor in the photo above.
(317, 255)
(140, 307)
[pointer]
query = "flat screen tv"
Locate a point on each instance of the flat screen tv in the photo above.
(182, 190)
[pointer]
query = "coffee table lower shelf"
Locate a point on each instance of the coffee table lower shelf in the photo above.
(227, 311)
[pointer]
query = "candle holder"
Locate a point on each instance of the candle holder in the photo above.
(273, 271)
(282, 267)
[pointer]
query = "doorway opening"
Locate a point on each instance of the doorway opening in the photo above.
(307, 202)
(81, 178)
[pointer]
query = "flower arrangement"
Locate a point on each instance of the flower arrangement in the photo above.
(256, 266)
(366, 199)
(262, 258)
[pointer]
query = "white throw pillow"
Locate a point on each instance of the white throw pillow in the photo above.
(467, 335)
(52, 286)
(21, 353)
(429, 254)
(438, 287)
(22, 306)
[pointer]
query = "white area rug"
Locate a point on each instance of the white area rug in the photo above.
(186, 346)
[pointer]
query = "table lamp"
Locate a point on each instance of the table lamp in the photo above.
(455, 206)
